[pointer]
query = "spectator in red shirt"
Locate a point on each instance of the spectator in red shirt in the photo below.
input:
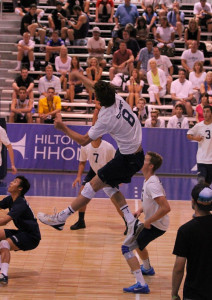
(122, 61)
(199, 107)
(104, 11)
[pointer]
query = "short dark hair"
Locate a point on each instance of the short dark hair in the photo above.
(204, 200)
(24, 184)
(155, 159)
(22, 88)
(183, 70)
(150, 41)
(33, 5)
(51, 88)
(122, 42)
(24, 68)
(208, 106)
(105, 93)
(179, 105)
(77, 7)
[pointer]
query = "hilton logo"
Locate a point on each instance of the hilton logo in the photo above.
(20, 146)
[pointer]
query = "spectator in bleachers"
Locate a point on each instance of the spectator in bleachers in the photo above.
(165, 34)
(192, 33)
(151, 16)
(182, 92)
(23, 7)
(154, 120)
(49, 106)
(134, 86)
(84, 5)
(190, 56)
(153, 3)
(122, 61)
(166, 6)
(30, 23)
(48, 80)
(203, 14)
(141, 111)
(204, 100)
(164, 63)
(57, 18)
(144, 56)
(126, 13)
(131, 43)
(113, 45)
(75, 85)
(96, 47)
(23, 80)
(197, 77)
(25, 50)
(62, 66)
(79, 30)
(157, 83)
(176, 19)
(142, 32)
(94, 73)
(206, 86)
(104, 11)
(21, 107)
(53, 47)
(178, 121)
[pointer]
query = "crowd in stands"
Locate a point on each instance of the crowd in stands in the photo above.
(141, 45)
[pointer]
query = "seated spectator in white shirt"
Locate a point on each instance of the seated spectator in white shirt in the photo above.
(134, 86)
(190, 56)
(182, 92)
(62, 66)
(178, 120)
(165, 34)
(25, 49)
(96, 47)
(154, 121)
(141, 111)
(157, 83)
(203, 14)
(47, 81)
(163, 63)
(197, 77)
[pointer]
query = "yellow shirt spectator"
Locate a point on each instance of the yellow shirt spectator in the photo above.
(47, 106)
(155, 79)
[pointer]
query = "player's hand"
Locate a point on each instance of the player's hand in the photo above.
(58, 123)
(76, 181)
(14, 170)
(137, 213)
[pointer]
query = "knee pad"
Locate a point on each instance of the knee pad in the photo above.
(109, 191)
(17, 11)
(127, 252)
(4, 245)
(88, 191)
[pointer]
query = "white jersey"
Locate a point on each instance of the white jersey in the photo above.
(121, 123)
(191, 57)
(3, 140)
(153, 188)
(175, 122)
(97, 157)
(204, 152)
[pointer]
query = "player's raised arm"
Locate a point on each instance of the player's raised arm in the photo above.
(88, 83)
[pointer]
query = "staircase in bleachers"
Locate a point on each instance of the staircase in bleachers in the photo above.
(9, 36)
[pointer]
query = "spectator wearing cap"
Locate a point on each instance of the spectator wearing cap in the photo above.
(96, 47)
(57, 18)
(104, 11)
(193, 248)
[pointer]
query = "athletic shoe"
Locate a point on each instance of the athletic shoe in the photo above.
(149, 272)
(80, 224)
(137, 289)
(32, 69)
(3, 279)
(134, 228)
(51, 220)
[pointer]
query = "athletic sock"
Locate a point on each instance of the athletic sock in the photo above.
(128, 216)
(31, 63)
(81, 216)
(146, 264)
(19, 64)
(64, 214)
(139, 277)
(4, 268)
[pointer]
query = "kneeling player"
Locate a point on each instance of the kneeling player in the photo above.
(27, 237)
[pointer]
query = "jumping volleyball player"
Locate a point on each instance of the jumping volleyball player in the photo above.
(117, 119)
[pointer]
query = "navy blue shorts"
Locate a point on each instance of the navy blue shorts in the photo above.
(148, 235)
(121, 168)
(23, 240)
(205, 171)
(91, 174)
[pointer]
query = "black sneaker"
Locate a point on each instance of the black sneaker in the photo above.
(3, 279)
(78, 225)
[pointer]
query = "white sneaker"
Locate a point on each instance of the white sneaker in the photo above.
(134, 228)
(51, 220)
(32, 69)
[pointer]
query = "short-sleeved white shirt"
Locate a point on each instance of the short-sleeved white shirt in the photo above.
(153, 188)
(191, 58)
(97, 157)
(180, 123)
(163, 63)
(31, 43)
(196, 81)
(93, 44)
(165, 33)
(121, 123)
(204, 152)
(198, 7)
(160, 123)
(181, 90)
(3, 140)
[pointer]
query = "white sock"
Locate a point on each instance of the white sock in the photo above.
(19, 64)
(139, 277)
(146, 264)
(64, 214)
(128, 216)
(4, 268)
(31, 64)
